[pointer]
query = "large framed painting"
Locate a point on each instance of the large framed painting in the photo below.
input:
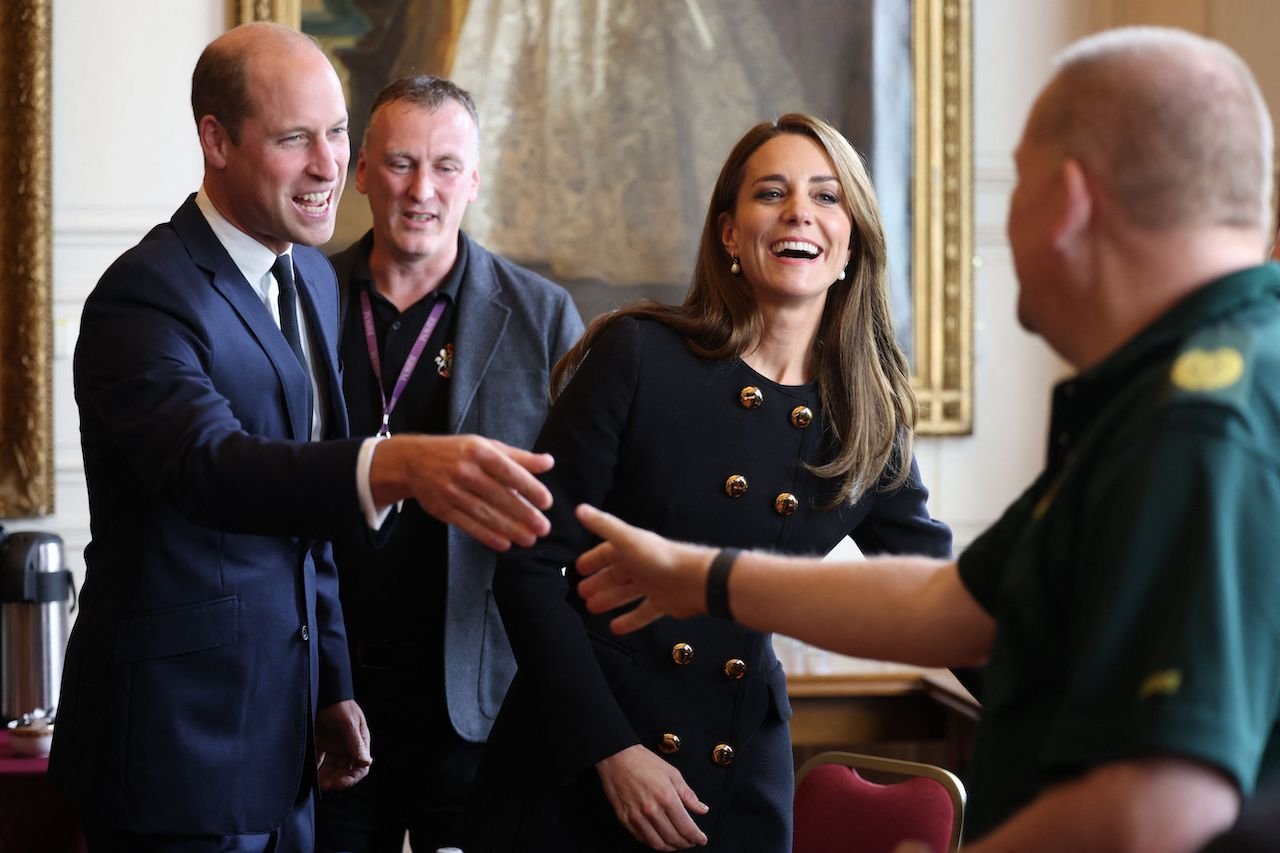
(26, 295)
(604, 125)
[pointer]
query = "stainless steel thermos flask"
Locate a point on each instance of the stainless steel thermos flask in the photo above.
(34, 621)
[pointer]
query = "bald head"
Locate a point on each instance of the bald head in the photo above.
(1172, 124)
(220, 83)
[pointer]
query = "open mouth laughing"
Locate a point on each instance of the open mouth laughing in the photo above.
(315, 204)
(795, 249)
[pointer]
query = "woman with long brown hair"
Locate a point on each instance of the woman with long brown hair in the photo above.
(772, 409)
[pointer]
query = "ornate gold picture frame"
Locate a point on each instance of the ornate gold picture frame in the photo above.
(941, 278)
(26, 349)
(942, 227)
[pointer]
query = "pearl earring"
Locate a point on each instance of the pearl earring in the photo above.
(840, 275)
(735, 267)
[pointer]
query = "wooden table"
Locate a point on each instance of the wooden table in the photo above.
(865, 704)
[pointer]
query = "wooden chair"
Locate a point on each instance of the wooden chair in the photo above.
(837, 810)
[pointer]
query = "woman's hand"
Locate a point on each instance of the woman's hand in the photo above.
(651, 799)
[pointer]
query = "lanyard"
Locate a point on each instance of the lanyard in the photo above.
(371, 340)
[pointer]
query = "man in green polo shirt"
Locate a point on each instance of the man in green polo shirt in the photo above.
(1127, 606)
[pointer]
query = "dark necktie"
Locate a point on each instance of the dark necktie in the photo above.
(282, 269)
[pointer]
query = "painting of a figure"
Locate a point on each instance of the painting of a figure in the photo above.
(604, 122)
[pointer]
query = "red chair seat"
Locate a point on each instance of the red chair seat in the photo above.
(839, 811)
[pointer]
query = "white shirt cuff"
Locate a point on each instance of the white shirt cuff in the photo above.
(374, 516)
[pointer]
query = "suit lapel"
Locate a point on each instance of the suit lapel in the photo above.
(225, 277)
(482, 321)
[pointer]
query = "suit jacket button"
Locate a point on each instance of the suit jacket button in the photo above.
(682, 654)
(785, 504)
(735, 668)
(722, 754)
(751, 397)
(670, 743)
(735, 486)
(801, 417)
(304, 633)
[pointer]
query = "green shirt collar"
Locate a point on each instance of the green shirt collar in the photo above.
(1217, 299)
(1077, 400)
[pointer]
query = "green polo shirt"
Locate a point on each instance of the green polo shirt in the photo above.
(1136, 584)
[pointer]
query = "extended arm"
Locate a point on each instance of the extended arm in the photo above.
(1154, 804)
(565, 665)
(912, 609)
(480, 485)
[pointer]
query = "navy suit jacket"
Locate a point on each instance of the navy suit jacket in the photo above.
(209, 629)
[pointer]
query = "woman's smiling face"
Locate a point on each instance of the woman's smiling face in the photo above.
(789, 230)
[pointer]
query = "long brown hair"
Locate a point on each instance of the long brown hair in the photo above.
(863, 379)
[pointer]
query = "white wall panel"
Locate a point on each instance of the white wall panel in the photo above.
(124, 156)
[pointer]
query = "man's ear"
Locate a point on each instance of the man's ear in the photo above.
(1077, 203)
(214, 141)
(361, 172)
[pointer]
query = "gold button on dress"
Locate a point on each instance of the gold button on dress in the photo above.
(735, 486)
(682, 654)
(751, 397)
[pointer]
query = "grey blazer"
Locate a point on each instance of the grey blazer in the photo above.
(513, 325)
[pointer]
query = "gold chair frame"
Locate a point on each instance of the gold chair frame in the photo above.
(900, 767)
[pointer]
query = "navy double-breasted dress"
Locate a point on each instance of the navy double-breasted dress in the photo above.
(697, 450)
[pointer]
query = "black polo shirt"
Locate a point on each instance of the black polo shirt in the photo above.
(393, 596)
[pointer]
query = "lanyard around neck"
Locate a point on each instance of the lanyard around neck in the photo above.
(371, 340)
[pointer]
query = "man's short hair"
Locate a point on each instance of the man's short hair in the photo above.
(220, 88)
(426, 91)
(220, 81)
(1172, 123)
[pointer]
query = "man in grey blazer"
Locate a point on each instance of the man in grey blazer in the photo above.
(439, 336)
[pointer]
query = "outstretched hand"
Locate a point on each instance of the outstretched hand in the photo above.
(669, 578)
(482, 486)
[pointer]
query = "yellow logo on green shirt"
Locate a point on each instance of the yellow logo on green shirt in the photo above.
(1165, 682)
(1207, 370)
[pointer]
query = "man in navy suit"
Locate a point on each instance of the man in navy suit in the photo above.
(430, 660)
(207, 690)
